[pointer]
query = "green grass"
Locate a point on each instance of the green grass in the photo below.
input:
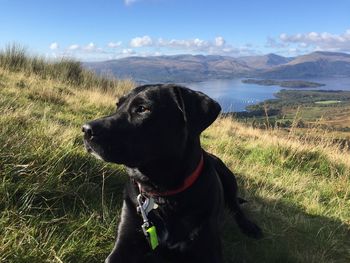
(58, 204)
(298, 191)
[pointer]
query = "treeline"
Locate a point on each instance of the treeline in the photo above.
(284, 83)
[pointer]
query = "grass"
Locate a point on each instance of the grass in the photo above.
(58, 204)
(298, 191)
(16, 59)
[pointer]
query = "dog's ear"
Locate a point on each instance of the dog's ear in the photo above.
(198, 109)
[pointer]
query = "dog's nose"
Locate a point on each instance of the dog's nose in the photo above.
(87, 130)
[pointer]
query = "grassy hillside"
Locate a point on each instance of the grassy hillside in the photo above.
(325, 109)
(298, 191)
(58, 204)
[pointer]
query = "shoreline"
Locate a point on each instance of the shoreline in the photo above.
(296, 84)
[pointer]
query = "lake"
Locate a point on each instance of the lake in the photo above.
(233, 95)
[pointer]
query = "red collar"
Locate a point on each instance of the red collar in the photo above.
(189, 181)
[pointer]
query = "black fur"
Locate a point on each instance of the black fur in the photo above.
(155, 133)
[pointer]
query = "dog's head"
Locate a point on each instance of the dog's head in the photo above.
(151, 122)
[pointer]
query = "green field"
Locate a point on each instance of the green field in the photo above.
(327, 110)
(59, 204)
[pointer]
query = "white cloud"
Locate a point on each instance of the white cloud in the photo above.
(128, 51)
(216, 47)
(275, 44)
(114, 44)
(129, 2)
(54, 46)
(148, 46)
(303, 45)
(141, 41)
(200, 43)
(219, 41)
(74, 47)
(191, 44)
(90, 47)
(321, 41)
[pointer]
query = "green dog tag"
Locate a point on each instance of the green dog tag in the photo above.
(153, 238)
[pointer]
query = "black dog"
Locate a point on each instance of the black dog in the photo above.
(175, 197)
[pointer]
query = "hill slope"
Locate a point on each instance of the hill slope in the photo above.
(264, 62)
(179, 68)
(58, 204)
(316, 64)
(189, 68)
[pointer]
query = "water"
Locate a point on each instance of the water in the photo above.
(233, 95)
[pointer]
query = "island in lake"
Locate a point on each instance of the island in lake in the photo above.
(284, 83)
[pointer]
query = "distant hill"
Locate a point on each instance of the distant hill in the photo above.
(316, 64)
(191, 68)
(179, 68)
(264, 62)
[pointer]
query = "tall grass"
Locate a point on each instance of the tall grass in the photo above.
(298, 188)
(15, 58)
(51, 203)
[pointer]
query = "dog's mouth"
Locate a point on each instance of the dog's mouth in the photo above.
(108, 152)
(92, 151)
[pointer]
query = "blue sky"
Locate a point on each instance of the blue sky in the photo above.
(106, 29)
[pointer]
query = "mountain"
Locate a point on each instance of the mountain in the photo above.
(179, 68)
(191, 68)
(264, 62)
(316, 64)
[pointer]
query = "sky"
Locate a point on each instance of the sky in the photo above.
(110, 29)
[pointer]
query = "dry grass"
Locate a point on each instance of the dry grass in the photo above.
(298, 187)
(313, 140)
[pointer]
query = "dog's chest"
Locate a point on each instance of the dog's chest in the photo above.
(176, 230)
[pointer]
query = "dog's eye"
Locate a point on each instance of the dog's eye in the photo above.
(142, 109)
